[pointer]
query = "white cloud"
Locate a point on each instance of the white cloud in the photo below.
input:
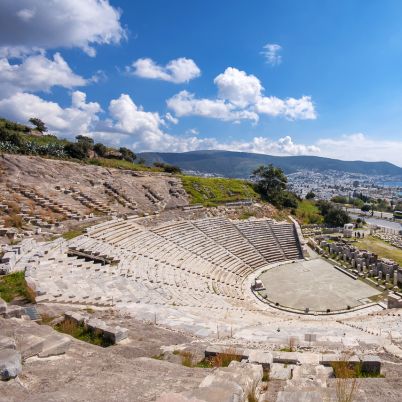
(142, 130)
(192, 131)
(291, 108)
(177, 71)
(185, 104)
(37, 73)
(26, 14)
(238, 88)
(130, 125)
(265, 145)
(171, 119)
(360, 147)
(77, 119)
(271, 53)
(32, 24)
(240, 98)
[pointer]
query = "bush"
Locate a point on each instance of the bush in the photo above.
(333, 215)
(100, 149)
(76, 150)
(166, 167)
(127, 154)
(310, 195)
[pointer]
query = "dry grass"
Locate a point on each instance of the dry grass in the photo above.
(252, 395)
(225, 358)
(13, 221)
(346, 382)
(46, 319)
(187, 359)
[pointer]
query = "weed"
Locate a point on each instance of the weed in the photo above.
(346, 374)
(252, 395)
(159, 357)
(46, 319)
(79, 331)
(13, 221)
(225, 358)
(187, 359)
(13, 286)
(72, 233)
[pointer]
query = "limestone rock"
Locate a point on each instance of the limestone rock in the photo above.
(10, 364)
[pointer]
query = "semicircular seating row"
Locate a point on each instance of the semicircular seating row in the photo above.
(179, 263)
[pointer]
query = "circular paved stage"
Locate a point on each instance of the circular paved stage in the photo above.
(316, 285)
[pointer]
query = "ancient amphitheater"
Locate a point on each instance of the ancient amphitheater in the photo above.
(170, 281)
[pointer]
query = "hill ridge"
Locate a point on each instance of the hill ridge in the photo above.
(241, 164)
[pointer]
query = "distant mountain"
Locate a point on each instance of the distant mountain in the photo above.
(241, 164)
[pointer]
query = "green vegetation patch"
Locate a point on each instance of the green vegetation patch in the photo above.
(213, 191)
(308, 213)
(121, 164)
(381, 248)
(13, 286)
(79, 331)
(73, 233)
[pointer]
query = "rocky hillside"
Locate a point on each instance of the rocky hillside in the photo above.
(79, 189)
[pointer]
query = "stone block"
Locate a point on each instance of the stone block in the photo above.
(4, 269)
(9, 258)
(309, 358)
(13, 311)
(394, 301)
(7, 342)
(333, 358)
(115, 335)
(31, 345)
(214, 350)
(281, 371)
(265, 359)
(300, 396)
(10, 364)
(3, 306)
(286, 357)
(76, 317)
(54, 345)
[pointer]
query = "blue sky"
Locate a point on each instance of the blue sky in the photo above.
(278, 77)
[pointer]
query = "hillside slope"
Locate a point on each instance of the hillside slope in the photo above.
(241, 164)
(86, 188)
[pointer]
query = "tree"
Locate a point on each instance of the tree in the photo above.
(340, 199)
(75, 150)
(336, 217)
(366, 208)
(310, 195)
(127, 154)
(100, 149)
(39, 124)
(271, 182)
(333, 214)
(85, 140)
